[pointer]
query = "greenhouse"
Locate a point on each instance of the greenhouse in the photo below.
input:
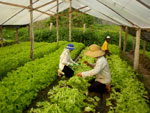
(75, 56)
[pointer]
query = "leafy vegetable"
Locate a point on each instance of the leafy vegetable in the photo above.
(17, 55)
(21, 86)
(70, 96)
(128, 94)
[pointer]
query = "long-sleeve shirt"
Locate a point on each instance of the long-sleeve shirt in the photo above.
(105, 46)
(65, 59)
(101, 71)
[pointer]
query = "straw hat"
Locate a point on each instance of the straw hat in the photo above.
(94, 51)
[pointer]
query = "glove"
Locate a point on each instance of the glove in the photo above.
(76, 64)
(70, 64)
(79, 74)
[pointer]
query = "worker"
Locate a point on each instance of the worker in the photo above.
(100, 70)
(66, 62)
(105, 46)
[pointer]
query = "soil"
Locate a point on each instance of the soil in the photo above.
(105, 108)
(102, 108)
(144, 69)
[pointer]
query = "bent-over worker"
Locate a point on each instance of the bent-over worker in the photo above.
(66, 62)
(100, 70)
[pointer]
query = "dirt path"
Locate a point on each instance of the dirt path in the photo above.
(144, 68)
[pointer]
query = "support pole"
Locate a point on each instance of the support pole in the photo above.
(120, 38)
(50, 27)
(70, 16)
(1, 37)
(144, 47)
(31, 31)
(125, 40)
(133, 43)
(84, 27)
(136, 53)
(17, 36)
(57, 23)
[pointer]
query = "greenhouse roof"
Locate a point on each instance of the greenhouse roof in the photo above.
(132, 13)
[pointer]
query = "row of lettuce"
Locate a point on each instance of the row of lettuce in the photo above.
(17, 55)
(8, 42)
(21, 86)
(128, 95)
(9, 50)
(70, 96)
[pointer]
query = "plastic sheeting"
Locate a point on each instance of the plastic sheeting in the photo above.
(132, 13)
(11, 15)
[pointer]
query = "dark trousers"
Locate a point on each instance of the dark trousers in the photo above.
(97, 87)
(68, 71)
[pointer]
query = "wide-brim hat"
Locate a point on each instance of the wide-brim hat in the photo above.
(70, 47)
(94, 51)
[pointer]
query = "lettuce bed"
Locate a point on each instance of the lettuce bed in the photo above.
(21, 86)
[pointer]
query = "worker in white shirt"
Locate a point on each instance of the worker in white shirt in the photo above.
(66, 62)
(100, 70)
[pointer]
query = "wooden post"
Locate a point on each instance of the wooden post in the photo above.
(50, 27)
(120, 38)
(144, 46)
(133, 43)
(57, 23)
(125, 40)
(31, 31)
(84, 27)
(70, 16)
(17, 36)
(136, 53)
(1, 36)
